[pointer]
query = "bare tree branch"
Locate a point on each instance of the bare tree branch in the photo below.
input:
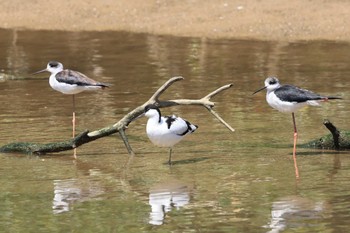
(217, 91)
(120, 126)
(334, 131)
(220, 119)
(126, 142)
(165, 86)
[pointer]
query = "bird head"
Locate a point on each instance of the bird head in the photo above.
(271, 84)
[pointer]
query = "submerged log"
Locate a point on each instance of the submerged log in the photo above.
(120, 126)
(336, 140)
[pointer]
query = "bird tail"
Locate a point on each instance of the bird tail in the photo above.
(333, 98)
(103, 85)
(193, 128)
(326, 98)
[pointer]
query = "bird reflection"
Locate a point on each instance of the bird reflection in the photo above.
(66, 192)
(164, 198)
(293, 210)
(69, 191)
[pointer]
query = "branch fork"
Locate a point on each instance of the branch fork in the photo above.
(121, 125)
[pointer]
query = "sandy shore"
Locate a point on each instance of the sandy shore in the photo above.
(253, 19)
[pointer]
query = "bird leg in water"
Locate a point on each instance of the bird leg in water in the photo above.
(73, 123)
(170, 151)
(295, 147)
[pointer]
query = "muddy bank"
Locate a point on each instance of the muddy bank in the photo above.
(253, 19)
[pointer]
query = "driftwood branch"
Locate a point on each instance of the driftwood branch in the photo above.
(120, 126)
(337, 139)
(334, 131)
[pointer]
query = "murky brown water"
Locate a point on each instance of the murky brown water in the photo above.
(221, 181)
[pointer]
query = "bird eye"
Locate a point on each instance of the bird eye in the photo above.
(272, 82)
(53, 64)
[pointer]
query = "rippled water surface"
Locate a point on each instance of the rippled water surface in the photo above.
(220, 181)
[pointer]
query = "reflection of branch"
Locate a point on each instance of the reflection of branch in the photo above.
(120, 126)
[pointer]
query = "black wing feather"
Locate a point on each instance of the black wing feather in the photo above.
(169, 120)
(294, 94)
(75, 77)
(187, 130)
(178, 127)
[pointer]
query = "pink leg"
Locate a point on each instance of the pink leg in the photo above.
(295, 148)
(73, 122)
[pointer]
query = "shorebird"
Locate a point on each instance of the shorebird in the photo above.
(289, 99)
(70, 82)
(166, 131)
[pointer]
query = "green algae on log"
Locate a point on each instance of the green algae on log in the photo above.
(38, 148)
(336, 140)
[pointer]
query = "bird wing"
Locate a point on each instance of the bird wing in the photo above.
(177, 125)
(75, 77)
(295, 94)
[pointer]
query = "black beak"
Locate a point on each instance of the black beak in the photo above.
(259, 90)
(38, 72)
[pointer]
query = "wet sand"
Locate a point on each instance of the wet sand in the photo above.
(245, 19)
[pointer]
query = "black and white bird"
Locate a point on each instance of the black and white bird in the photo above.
(166, 131)
(70, 82)
(289, 99)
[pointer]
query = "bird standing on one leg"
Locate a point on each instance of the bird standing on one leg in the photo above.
(168, 130)
(70, 82)
(288, 98)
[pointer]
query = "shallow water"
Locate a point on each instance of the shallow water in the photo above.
(220, 181)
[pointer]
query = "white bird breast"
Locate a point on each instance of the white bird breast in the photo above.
(70, 89)
(285, 106)
(160, 135)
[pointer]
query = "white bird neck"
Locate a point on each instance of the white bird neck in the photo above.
(155, 119)
(55, 71)
(273, 87)
(154, 115)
